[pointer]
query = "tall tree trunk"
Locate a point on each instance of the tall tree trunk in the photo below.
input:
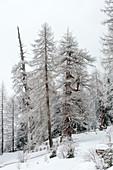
(68, 90)
(47, 96)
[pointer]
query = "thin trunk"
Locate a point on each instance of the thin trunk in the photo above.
(13, 128)
(2, 113)
(47, 97)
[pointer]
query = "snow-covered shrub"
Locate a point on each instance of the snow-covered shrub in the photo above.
(53, 154)
(22, 157)
(94, 157)
(67, 149)
(108, 158)
(70, 154)
(108, 153)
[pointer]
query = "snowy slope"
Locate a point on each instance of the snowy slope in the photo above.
(41, 161)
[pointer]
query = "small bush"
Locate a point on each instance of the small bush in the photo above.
(97, 159)
(22, 157)
(53, 154)
(108, 158)
(70, 154)
(67, 149)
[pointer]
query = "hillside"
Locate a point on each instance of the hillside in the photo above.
(84, 143)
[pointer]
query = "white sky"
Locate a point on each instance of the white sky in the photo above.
(83, 17)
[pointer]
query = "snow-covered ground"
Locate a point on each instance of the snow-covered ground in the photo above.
(83, 143)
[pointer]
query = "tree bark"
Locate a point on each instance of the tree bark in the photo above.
(68, 90)
(47, 96)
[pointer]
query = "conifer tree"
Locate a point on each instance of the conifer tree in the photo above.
(43, 82)
(107, 61)
(74, 81)
(9, 123)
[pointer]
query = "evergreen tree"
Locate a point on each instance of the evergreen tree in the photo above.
(43, 83)
(74, 82)
(107, 61)
(22, 138)
(97, 99)
(9, 122)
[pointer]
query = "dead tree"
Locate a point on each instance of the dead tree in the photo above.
(26, 98)
(23, 68)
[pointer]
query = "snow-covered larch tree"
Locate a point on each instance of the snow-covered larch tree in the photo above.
(43, 83)
(74, 81)
(107, 61)
(97, 98)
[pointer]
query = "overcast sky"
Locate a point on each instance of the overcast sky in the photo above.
(82, 17)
